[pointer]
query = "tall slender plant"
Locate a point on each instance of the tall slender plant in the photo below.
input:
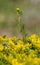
(21, 24)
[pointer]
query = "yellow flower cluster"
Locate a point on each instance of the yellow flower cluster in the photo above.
(15, 51)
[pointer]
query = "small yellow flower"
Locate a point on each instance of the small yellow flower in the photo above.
(14, 38)
(35, 62)
(14, 62)
(10, 42)
(5, 56)
(10, 57)
(18, 9)
(1, 48)
(37, 45)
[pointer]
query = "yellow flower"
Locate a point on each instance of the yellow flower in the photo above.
(34, 36)
(5, 57)
(38, 41)
(15, 62)
(18, 9)
(27, 45)
(36, 61)
(1, 47)
(14, 38)
(9, 58)
(20, 42)
(37, 45)
(1, 38)
(10, 42)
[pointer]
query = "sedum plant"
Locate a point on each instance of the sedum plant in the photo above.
(14, 51)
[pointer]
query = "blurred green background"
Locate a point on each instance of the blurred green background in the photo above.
(30, 18)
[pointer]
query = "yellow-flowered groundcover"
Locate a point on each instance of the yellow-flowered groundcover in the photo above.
(15, 51)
